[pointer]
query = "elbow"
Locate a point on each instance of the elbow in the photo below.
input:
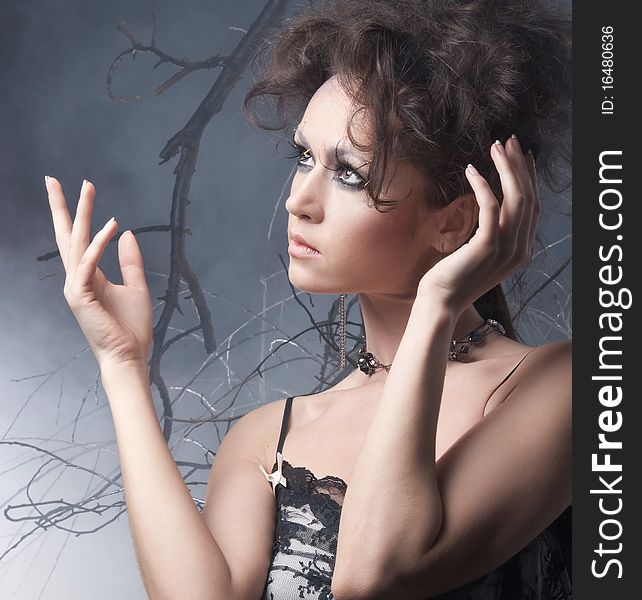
(363, 592)
(360, 585)
(381, 574)
(390, 581)
(384, 579)
(344, 591)
(356, 578)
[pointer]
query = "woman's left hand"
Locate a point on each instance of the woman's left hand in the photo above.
(504, 239)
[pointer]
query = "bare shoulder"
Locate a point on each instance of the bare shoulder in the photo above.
(541, 368)
(261, 424)
(520, 455)
(552, 360)
(239, 505)
(547, 370)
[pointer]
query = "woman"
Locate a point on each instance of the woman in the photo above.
(448, 448)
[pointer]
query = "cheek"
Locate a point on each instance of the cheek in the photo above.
(384, 240)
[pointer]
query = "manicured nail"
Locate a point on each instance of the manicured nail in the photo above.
(472, 169)
(46, 180)
(500, 148)
(513, 136)
(106, 225)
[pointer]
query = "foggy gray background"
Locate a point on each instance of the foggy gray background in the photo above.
(56, 120)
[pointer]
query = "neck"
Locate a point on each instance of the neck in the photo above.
(385, 318)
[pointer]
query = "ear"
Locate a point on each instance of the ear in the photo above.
(456, 222)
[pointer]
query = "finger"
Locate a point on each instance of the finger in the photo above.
(537, 204)
(79, 240)
(487, 232)
(60, 217)
(519, 162)
(131, 261)
(512, 207)
(529, 220)
(85, 272)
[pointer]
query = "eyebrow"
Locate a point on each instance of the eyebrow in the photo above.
(341, 151)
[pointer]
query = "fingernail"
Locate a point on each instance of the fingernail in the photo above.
(500, 148)
(82, 187)
(46, 180)
(513, 136)
(472, 169)
(109, 222)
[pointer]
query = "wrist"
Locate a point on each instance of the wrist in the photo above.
(431, 322)
(436, 307)
(111, 373)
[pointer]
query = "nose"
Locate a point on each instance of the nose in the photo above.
(306, 192)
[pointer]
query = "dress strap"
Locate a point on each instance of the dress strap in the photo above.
(276, 476)
(284, 423)
(512, 370)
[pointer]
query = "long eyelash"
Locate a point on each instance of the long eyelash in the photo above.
(300, 151)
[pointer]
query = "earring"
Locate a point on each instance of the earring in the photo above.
(342, 330)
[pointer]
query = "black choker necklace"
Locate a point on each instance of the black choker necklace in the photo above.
(369, 364)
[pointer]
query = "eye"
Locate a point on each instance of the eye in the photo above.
(301, 154)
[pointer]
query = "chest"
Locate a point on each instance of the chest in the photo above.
(326, 431)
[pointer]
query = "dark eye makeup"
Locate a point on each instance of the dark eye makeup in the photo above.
(302, 153)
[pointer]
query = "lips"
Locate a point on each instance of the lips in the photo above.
(301, 240)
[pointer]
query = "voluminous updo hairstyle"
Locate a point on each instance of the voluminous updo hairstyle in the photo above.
(441, 81)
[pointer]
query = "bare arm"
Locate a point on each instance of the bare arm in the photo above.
(182, 554)
(394, 474)
(177, 555)
(433, 526)
(176, 548)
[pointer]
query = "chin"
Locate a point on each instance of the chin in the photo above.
(312, 283)
(315, 289)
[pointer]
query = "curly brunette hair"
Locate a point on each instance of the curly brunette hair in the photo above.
(441, 81)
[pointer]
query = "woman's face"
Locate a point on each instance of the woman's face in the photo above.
(359, 248)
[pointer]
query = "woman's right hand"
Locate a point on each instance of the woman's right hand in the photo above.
(116, 319)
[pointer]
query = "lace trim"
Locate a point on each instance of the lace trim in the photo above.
(305, 543)
(307, 530)
(305, 481)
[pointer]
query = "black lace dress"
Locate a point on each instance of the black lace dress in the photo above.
(307, 527)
